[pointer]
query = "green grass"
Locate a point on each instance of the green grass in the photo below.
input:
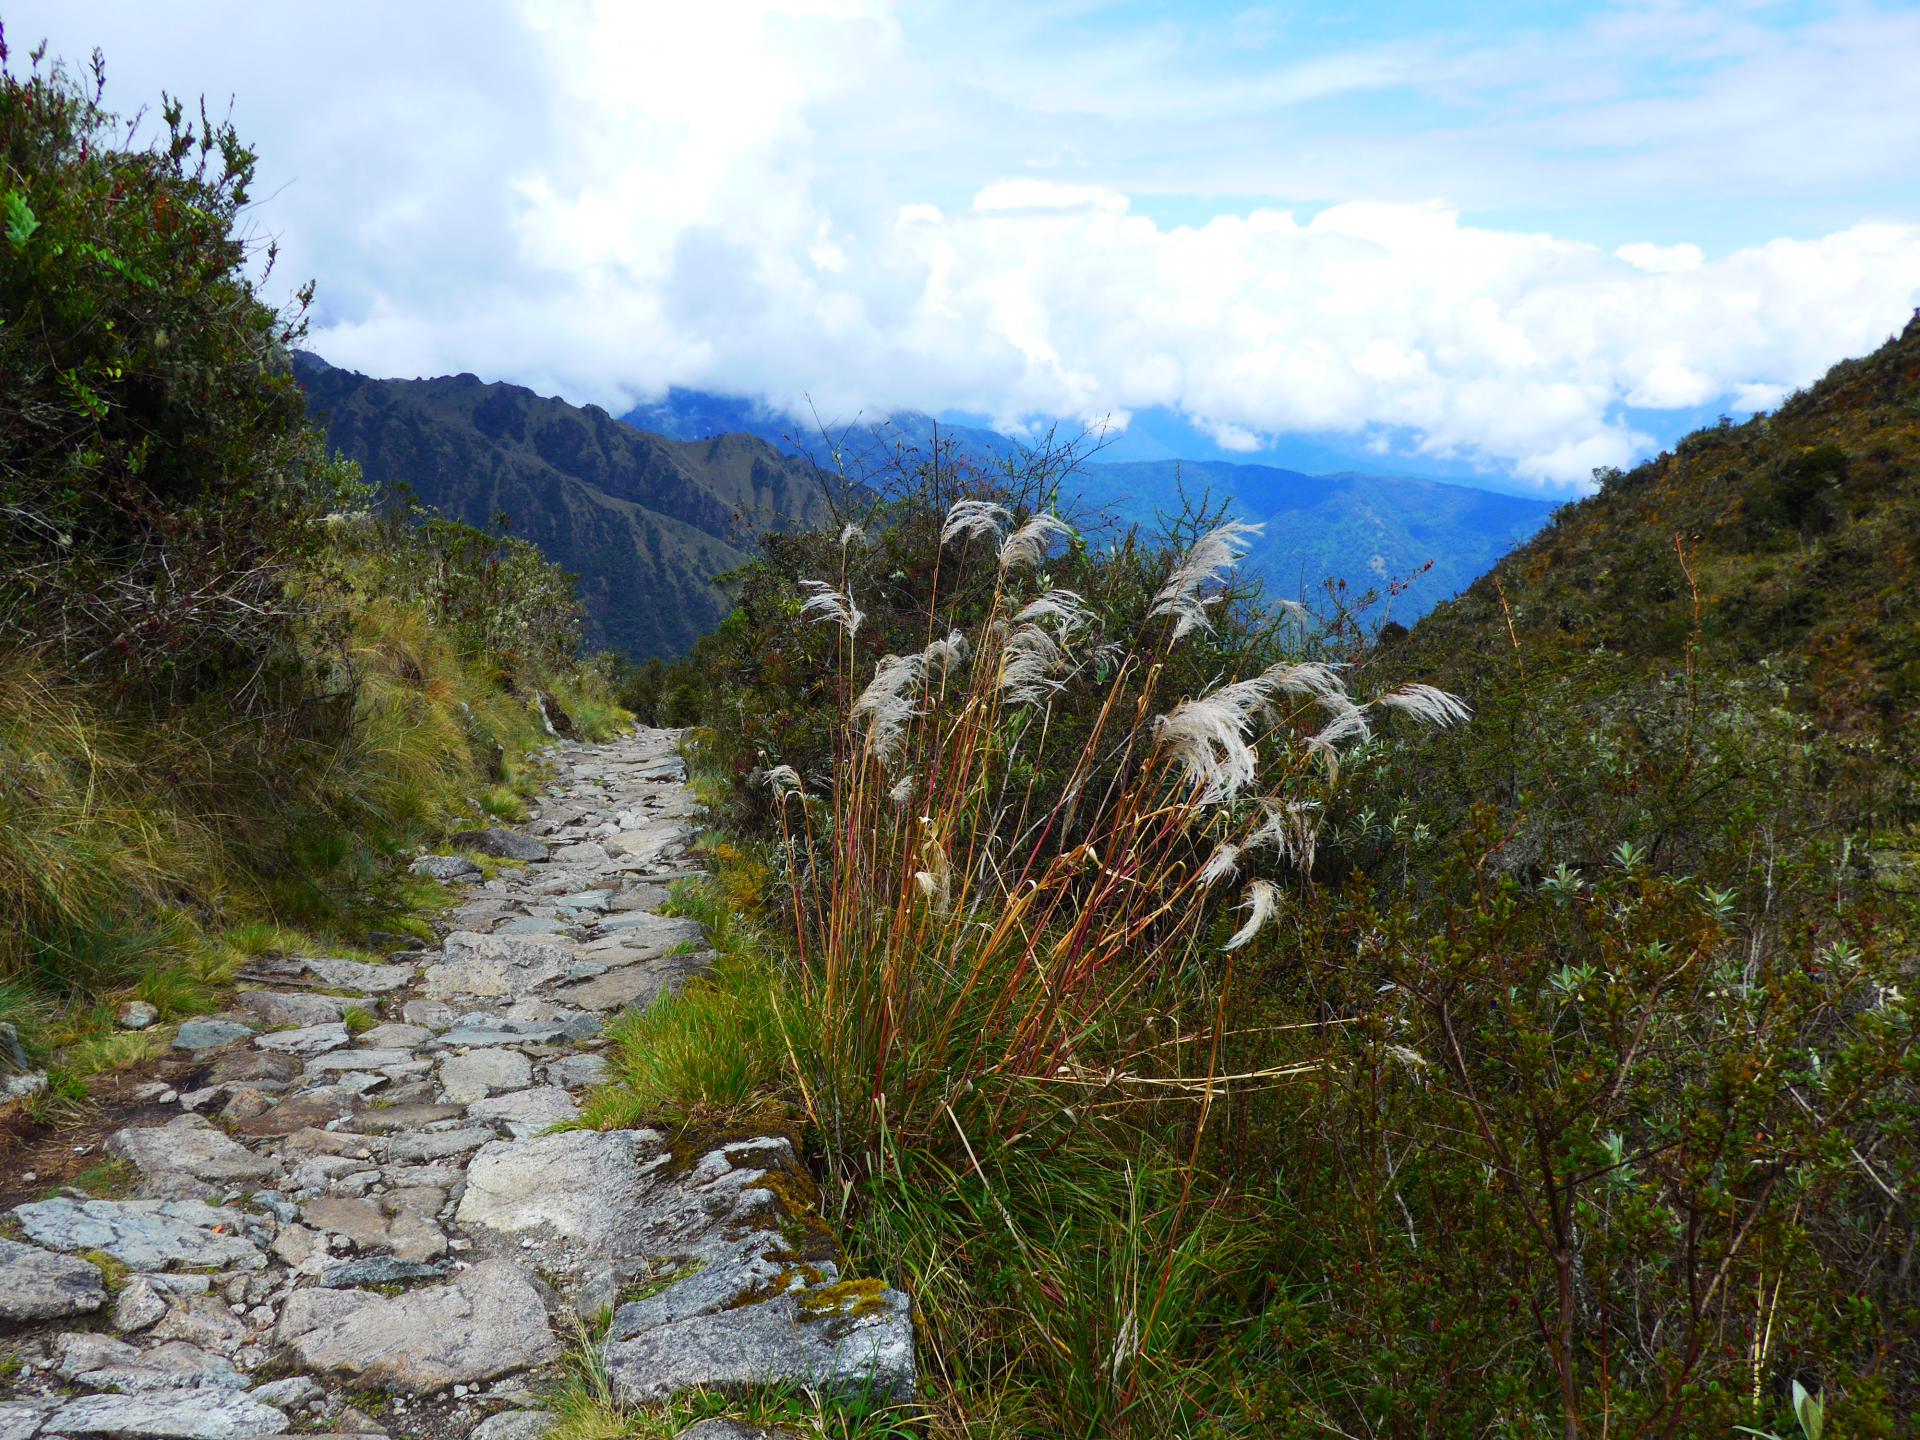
(714, 1051)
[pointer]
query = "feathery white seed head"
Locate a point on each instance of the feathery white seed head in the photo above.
(890, 703)
(1027, 546)
(1207, 736)
(1428, 703)
(1262, 898)
(851, 533)
(1223, 864)
(941, 655)
(968, 518)
(1291, 830)
(782, 780)
(1065, 608)
(1206, 564)
(829, 606)
(1029, 665)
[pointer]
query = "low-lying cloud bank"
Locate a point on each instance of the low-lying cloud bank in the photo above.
(1517, 351)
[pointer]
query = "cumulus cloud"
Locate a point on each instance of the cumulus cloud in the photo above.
(838, 200)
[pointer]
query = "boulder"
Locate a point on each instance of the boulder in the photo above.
(447, 869)
(37, 1286)
(136, 1015)
(502, 843)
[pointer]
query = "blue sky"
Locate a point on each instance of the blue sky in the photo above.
(1505, 241)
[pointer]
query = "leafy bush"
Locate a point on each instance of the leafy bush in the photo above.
(160, 483)
(226, 691)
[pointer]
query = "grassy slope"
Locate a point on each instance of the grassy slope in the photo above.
(1802, 529)
(646, 523)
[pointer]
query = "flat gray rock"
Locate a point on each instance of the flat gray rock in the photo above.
(576, 1072)
(476, 1074)
(378, 1270)
(651, 934)
(142, 1234)
(20, 1419)
(209, 1034)
(188, 1415)
(35, 1285)
(735, 1430)
(854, 1338)
(582, 1185)
(337, 1060)
(531, 925)
(447, 869)
(291, 1007)
(490, 1321)
(188, 1159)
(650, 843)
(358, 974)
(527, 1112)
(308, 1039)
(496, 966)
(395, 1037)
(513, 1425)
(100, 1362)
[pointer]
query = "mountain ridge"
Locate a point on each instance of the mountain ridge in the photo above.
(643, 521)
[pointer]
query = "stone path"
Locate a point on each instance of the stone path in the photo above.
(363, 1219)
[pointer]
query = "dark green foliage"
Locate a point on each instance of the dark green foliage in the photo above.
(159, 481)
(222, 693)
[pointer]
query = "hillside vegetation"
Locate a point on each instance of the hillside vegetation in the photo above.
(1220, 1032)
(1801, 530)
(646, 523)
(234, 696)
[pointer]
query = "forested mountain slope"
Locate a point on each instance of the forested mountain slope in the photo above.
(645, 522)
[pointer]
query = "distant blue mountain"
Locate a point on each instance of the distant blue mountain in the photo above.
(1363, 531)
(700, 415)
(1350, 526)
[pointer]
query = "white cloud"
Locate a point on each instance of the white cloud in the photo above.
(879, 206)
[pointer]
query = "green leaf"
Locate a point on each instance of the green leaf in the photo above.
(20, 219)
(1810, 1408)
